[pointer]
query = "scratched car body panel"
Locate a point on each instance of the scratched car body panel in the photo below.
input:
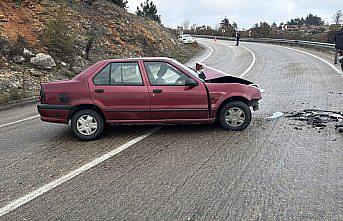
(147, 90)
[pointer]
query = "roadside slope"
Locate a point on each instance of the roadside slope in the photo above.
(88, 34)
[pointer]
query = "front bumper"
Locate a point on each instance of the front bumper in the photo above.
(54, 113)
(254, 104)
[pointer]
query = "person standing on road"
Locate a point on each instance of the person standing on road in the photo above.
(338, 43)
(238, 36)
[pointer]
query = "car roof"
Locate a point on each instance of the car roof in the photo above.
(139, 59)
(85, 74)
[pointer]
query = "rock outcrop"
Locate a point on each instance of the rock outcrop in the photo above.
(43, 61)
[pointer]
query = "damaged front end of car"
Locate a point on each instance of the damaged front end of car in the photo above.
(223, 87)
(212, 75)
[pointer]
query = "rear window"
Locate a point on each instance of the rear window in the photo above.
(123, 74)
(90, 69)
(102, 78)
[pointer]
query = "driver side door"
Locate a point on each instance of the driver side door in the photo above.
(170, 98)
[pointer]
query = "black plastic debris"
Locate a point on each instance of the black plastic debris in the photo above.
(318, 118)
(339, 126)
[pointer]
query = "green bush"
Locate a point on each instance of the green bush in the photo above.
(18, 2)
(57, 36)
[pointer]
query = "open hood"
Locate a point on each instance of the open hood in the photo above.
(212, 75)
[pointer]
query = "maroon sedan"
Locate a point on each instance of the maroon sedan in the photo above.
(147, 90)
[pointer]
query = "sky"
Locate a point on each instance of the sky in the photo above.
(245, 13)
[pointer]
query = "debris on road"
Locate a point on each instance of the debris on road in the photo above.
(339, 93)
(318, 118)
(262, 90)
(339, 126)
(275, 115)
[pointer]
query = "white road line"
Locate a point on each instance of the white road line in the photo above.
(205, 58)
(248, 69)
(252, 63)
(209, 55)
(27, 198)
(315, 56)
(19, 121)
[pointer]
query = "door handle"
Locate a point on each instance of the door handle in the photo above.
(157, 91)
(99, 90)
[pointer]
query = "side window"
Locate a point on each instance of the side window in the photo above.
(161, 73)
(103, 77)
(126, 74)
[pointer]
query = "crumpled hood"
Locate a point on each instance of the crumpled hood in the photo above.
(216, 76)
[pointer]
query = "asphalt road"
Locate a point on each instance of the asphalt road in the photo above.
(268, 172)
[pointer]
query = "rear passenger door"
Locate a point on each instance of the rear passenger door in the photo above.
(121, 92)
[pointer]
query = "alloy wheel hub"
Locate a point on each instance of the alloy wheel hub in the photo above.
(235, 117)
(87, 125)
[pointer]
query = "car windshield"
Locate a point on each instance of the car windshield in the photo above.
(190, 70)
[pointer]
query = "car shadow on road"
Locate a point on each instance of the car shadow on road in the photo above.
(116, 134)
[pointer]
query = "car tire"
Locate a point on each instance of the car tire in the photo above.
(87, 125)
(235, 116)
(342, 66)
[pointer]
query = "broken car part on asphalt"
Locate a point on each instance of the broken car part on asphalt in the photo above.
(318, 118)
(275, 115)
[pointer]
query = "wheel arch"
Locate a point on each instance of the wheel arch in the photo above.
(79, 107)
(234, 98)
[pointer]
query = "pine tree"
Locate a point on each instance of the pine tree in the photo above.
(313, 20)
(149, 10)
(120, 3)
(227, 28)
(309, 20)
(262, 30)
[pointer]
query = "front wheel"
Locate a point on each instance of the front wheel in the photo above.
(87, 125)
(342, 66)
(235, 115)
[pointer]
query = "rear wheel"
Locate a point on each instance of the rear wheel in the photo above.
(87, 125)
(235, 115)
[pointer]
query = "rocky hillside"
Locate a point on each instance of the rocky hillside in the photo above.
(43, 40)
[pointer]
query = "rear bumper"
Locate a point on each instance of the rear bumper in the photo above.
(188, 41)
(54, 113)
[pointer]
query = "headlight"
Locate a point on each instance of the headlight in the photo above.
(258, 87)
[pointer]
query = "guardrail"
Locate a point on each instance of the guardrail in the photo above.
(310, 44)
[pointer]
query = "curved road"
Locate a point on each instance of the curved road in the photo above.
(268, 172)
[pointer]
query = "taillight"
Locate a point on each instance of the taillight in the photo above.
(42, 97)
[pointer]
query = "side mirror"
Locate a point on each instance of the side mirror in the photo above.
(202, 75)
(191, 83)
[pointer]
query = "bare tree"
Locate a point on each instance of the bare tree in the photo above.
(337, 18)
(186, 24)
(193, 26)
